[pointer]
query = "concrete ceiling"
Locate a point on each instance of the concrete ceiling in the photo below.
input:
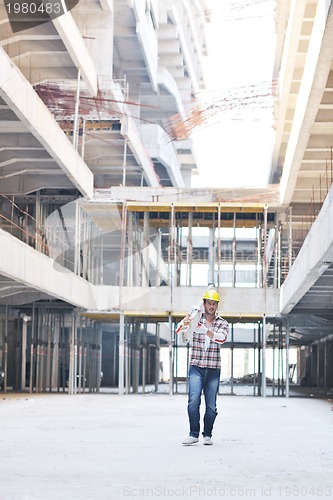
(45, 55)
(302, 154)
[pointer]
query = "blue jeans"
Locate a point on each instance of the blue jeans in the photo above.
(204, 380)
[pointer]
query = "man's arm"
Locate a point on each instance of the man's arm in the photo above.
(219, 335)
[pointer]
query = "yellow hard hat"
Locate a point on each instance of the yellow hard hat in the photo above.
(211, 295)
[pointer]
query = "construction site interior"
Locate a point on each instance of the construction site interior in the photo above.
(104, 243)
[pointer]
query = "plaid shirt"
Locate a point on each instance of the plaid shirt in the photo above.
(210, 358)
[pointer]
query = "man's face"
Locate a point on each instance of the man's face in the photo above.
(210, 306)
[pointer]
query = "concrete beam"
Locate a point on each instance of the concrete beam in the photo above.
(130, 130)
(148, 42)
(313, 259)
(107, 5)
(294, 28)
(157, 145)
(24, 264)
(316, 71)
(235, 302)
(188, 57)
(77, 49)
(25, 184)
(19, 95)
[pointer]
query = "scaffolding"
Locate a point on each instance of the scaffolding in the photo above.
(126, 245)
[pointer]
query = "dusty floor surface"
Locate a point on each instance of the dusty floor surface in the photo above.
(105, 447)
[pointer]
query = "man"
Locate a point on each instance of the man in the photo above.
(204, 371)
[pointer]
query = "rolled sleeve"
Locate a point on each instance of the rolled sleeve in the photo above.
(220, 329)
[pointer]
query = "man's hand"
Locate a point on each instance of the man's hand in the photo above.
(187, 320)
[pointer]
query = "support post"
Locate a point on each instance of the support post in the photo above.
(159, 258)
(122, 253)
(263, 355)
(157, 356)
(32, 348)
(189, 252)
(290, 238)
(130, 250)
(24, 350)
(264, 260)
(5, 367)
(232, 359)
(145, 250)
(77, 262)
(38, 245)
(144, 356)
(136, 360)
(255, 375)
(121, 354)
(72, 382)
(211, 255)
(218, 246)
(124, 161)
(234, 253)
(287, 357)
(170, 357)
(276, 250)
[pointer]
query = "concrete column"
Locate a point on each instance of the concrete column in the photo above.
(321, 364)
(99, 359)
(314, 365)
(301, 364)
(329, 363)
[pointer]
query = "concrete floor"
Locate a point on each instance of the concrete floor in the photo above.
(103, 446)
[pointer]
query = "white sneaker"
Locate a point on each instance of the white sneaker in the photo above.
(190, 440)
(207, 440)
